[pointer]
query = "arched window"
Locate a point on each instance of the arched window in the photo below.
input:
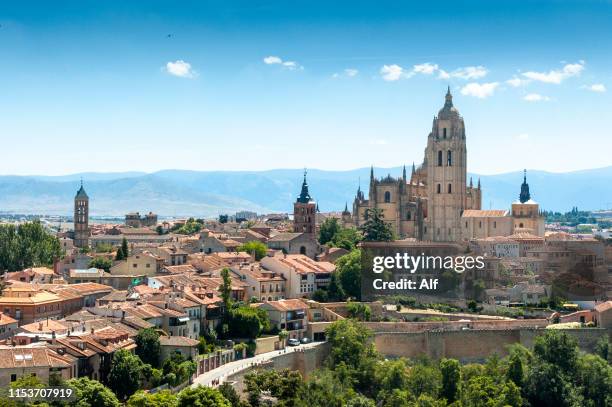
(449, 158)
(444, 132)
(520, 225)
(450, 188)
(439, 188)
(387, 196)
(408, 215)
(303, 250)
(440, 158)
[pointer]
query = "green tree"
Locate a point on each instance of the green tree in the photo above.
(119, 255)
(594, 375)
(125, 249)
(27, 245)
(557, 348)
(348, 268)
(328, 230)
(375, 229)
(547, 386)
(92, 393)
(101, 263)
(350, 343)
(359, 311)
(246, 322)
(124, 375)
(516, 370)
(424, 379)
(335, 292)
(602, 348)
(483, 391)
(164, 398)
(202, 396)
(346, 238)
(148, 347)
(320, 295)
(451, 379)
(254, 247)
(228, 391)
(226, 288)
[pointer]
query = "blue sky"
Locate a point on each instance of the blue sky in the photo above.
(222, 85)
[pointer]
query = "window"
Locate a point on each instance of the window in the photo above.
(302, 250)
(13, 377)
(444, 132)
(408, 215)
(450, 188)
(387, 196)
(466, 225)
(438, 231)
(480, 224)
(494, 225)
(439, 188)
(440, 158)
(449, 158)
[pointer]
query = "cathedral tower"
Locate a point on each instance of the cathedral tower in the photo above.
(446, 163)
(81, 218)
(304, 211)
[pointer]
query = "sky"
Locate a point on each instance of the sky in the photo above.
(246, 85)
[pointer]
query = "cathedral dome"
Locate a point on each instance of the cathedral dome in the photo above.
(448, 111)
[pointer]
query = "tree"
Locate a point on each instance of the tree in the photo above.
(483, 391)
(202, 396)
(226, 288)
(346, 238)
(120, 256)
(334, 289)
(350, 343)
(27, 245)
(148, 347)
(359, 311)
(320, 295)
(228, 391)
(223, 218)
(164, 398)
(92, 393)
(246, 322)
(424, 379)
(104, 248)
(348, 268)
(547, 386)
(602, 348)
(594, 375)
(557, 348)
(282, 336)
(125, 249)
(451, 379)
(328, 230)
(254, 247)
(516, 370)
(101, 263)
(124, 375)
(375, 229)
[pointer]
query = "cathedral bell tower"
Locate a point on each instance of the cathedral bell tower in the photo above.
(304, 211)
(81, 218)
(445, 158)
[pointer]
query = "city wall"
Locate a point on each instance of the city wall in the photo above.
(305, 361)
(471, 345)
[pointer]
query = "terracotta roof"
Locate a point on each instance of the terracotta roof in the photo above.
(177, 341)
(183, 268)
(11, 358)
(283, 237)
(304, 264)
(484, 213)
(6, 319)
(287, 305)
(41, 297)
(48, 325)
(604, 306)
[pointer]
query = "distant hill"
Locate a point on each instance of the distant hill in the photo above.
(208, 193)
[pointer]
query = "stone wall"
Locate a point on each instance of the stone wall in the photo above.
(305, 361)
(471, 345)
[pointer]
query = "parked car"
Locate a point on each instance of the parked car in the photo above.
(305, 340)
(293, 342)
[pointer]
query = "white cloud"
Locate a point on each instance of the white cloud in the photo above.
(272, 60)
(392, 73)
(479, 90)
(556, 76)
(536, 97)
(181, 69)
(470, 72)
(351, 72)
(426, 68)
(597, 87)
(442, 74)
(517, 82)
(523, 136)
(379, 142)
(290, 65)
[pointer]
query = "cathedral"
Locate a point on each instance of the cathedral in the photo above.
(436, 203)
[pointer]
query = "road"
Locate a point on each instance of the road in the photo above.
(222, 372)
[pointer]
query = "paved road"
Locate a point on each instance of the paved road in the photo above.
(222, 372)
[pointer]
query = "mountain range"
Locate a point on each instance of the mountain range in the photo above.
(209, 193)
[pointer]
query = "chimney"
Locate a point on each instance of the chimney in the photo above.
(122, 315)
(40, 326)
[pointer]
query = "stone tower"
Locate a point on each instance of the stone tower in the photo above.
(445, 160)
(304, 211)
(81, 218)
(524, 195)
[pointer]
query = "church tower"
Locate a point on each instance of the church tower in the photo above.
(81, 218)
(446, 163)
(304, 212)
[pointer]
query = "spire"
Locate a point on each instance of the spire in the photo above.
(448, 99)
(304, 194)
(81, 194)
(471, 183)
(413, 168)
(524, 196)
(345, 206)
(479, 183)
(404, 172)
(371, 174)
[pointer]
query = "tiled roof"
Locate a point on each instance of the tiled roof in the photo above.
(177, 341)
(484, 213)
(287, 305)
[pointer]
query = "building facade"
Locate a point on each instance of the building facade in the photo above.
(81, 218)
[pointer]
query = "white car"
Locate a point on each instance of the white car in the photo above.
(305, 340)
(293, 342)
